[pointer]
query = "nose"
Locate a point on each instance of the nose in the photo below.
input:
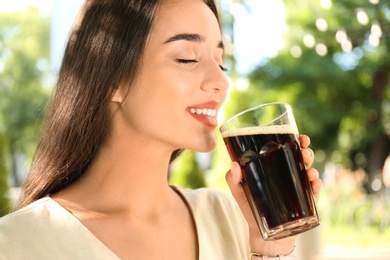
(214, 78)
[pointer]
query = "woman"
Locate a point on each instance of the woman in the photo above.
(140, 81)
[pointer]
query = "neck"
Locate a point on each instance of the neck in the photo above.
(124, 177)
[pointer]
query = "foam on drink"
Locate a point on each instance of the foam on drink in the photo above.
(274, 129)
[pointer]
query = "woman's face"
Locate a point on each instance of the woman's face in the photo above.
(181, 86)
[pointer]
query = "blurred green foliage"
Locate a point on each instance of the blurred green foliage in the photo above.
(334, 74)
(187, 171)
(5, 204)
(339, 87)
(24, 82)
(347, 212)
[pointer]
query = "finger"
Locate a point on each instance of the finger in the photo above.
(315, 182)
(308, 157)
(304, 141)
(316, 187)
(312, 174)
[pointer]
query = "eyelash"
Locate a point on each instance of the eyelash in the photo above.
(184, 61)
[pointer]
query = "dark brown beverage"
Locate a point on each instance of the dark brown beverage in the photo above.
(274, 177)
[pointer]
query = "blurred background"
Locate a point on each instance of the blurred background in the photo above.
(329, 59)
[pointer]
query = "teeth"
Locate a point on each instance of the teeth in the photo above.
(203, 111)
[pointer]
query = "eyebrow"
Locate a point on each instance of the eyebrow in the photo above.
(191, 37)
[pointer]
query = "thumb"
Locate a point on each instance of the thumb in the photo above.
(233, 178)
(234, 175)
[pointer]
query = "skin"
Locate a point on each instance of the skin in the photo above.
(124, 196)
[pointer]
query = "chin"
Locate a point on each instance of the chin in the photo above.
(207, 150)
(208, 146)
(203, 143)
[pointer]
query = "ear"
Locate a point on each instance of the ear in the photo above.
(119, 95)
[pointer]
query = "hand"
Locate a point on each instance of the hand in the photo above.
(257, 243)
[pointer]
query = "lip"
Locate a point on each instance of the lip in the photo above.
(209, 104)
(208, 121)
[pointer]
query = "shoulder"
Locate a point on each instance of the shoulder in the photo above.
(29, 225)
(25, 220)
(33, 211)
(46, 230)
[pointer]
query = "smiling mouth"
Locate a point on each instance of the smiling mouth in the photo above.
(203, 111)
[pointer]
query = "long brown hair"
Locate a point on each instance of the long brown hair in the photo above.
(104, 50)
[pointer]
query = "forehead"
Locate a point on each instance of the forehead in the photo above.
(183, 16)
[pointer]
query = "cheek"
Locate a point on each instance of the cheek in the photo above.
(173, 92)
(156, 104)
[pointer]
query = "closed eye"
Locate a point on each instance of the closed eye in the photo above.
(185, 61)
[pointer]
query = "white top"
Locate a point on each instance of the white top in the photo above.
(46, 230)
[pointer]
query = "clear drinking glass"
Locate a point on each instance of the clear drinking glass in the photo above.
(265, 142)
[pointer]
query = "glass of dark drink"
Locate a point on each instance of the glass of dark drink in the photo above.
(265, 142)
